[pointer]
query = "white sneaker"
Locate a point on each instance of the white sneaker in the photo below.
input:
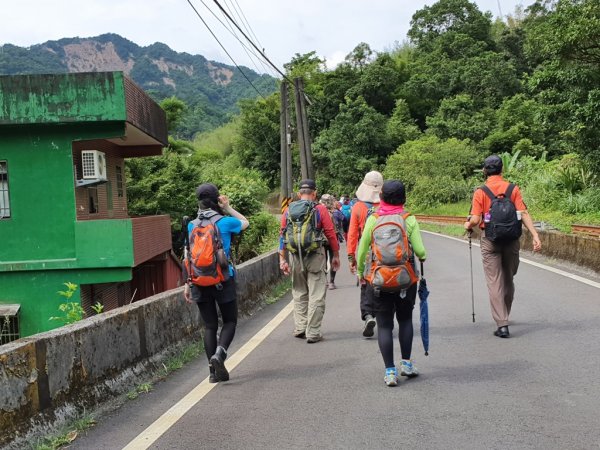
(391, 376)
(408, 369)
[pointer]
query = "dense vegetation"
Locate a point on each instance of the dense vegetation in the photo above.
(462, 87)
(161, 71)
(428, 112)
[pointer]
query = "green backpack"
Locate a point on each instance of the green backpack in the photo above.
(301, 233)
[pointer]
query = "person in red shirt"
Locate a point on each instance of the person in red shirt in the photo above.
(309, 275)
(368, 199)
(500, 259)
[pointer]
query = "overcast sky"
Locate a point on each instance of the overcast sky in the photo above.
(284, 27)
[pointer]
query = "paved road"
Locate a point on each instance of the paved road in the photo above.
(538, 390)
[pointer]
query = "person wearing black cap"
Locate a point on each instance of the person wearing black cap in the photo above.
(388, 304)
(308, 270)
(228, 222)
(500, 257)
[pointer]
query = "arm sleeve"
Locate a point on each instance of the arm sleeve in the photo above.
(414, 235)
(232, 225)
(353, 230)
(517, 199)
(328, 228)
(477, 205)
(365, 244)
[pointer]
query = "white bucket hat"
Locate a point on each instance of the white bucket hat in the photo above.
(370, 188)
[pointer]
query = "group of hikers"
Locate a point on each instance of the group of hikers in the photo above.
(383, 244)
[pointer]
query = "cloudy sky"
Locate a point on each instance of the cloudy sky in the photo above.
(283, 27)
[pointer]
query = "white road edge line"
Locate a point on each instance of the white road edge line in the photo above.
(533, 263)
(177, 411)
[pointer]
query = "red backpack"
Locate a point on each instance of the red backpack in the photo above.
(391, 256)
(207, 263)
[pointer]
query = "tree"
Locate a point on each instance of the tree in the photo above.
(401, 127)
(354, 144)
(445, 19)
(175, 109)
(360, 56)
(257, 145)
(458, 117)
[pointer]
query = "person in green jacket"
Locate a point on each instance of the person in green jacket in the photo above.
(388, 304)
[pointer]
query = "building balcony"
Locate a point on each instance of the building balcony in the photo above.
(151, 237)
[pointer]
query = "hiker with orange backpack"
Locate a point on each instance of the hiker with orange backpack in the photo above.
(391, 239)
(367, 201)
(210, 275)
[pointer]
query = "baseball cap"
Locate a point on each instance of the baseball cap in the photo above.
(493, 162)
(308, 184)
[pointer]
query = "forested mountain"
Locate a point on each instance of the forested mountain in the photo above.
(210, 89)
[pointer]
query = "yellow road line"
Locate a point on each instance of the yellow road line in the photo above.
(177, 411)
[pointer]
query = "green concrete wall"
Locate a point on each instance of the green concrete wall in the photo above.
(37, 293)
(77, 97)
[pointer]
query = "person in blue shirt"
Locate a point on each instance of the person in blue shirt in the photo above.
(222, 295)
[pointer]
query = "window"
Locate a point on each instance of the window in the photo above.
(119, 182)
(9, 323)
(93, 196)
(4, 197)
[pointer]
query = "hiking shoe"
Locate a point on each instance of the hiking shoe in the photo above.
(408, 369)
(217, 361)
(313, 339)
(391, 376)
(212, 378)
(502, 332)
(300, 335)
(369, 327)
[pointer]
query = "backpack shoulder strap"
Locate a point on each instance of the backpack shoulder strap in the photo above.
(488, 192)
(509, 191)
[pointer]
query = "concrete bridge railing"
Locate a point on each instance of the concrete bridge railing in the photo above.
(47, 378)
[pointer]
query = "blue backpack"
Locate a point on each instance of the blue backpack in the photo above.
(347, 211)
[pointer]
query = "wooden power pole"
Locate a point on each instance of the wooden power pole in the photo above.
(284, 118)
(303, 133)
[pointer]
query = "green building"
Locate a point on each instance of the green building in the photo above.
(63, 197)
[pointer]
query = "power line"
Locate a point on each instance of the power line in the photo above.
(252, 43)
(244, 20)
(265, 67)
(224, 49)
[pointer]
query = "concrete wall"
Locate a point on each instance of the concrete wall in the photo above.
(47, 377)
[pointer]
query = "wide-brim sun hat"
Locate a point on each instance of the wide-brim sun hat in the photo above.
(370, 188)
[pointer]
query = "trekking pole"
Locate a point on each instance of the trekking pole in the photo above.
(471, 264)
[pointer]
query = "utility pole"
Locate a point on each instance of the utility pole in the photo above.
(307, 144)
(300, 129)
(283, 119)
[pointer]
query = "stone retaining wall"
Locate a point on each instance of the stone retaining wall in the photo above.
(48, 377)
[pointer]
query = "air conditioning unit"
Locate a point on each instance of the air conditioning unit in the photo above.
(93, 164)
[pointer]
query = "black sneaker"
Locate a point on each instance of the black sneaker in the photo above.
(218, 362)
(212, 378)
(369, 328)
(502, 332)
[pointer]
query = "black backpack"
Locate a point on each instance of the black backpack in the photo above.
(503, 224)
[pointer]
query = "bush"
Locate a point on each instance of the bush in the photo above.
(432, 192)
(261, 236)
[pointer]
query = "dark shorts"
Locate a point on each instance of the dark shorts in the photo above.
(201, 294)
(391, 301)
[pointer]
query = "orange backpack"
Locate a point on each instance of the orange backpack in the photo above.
(391, 256)
(207, 263)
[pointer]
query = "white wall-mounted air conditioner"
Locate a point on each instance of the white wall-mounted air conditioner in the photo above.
(93, 165)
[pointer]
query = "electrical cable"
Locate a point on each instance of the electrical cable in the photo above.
(235, 2)
(232, 32)
(252, 43)
(266, 68)
(224, 49)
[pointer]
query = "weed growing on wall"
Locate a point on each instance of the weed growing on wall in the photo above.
(72, 311)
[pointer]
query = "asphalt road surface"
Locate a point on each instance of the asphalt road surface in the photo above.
(540, 389)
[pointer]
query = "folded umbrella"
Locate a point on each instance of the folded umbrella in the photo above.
(423, 295)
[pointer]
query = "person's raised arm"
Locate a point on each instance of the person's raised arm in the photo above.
(224, 203)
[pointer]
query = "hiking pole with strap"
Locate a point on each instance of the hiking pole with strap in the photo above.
(471, 264)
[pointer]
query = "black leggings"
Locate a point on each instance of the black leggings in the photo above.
(385, 324)
(208, 312)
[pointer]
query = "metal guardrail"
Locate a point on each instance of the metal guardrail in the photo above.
(589, 230)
